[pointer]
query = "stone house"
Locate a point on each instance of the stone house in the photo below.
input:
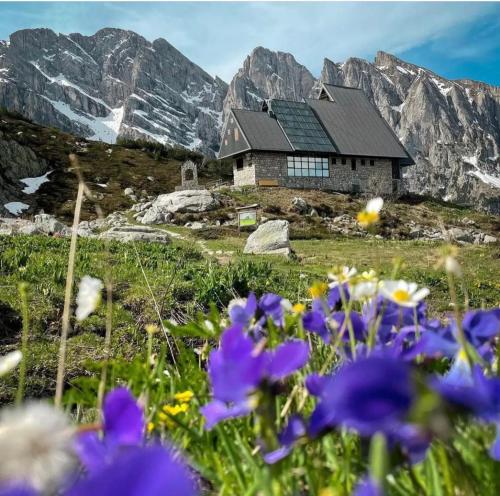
(337, 142)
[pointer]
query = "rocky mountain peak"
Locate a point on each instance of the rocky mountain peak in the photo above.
(268, 74)
(112, 84)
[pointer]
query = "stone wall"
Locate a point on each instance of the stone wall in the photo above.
(376, 179)
(245, 176)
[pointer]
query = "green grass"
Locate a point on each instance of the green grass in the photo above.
(182, 282)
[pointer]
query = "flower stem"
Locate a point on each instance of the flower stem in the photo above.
(67, 296)
(23, 293)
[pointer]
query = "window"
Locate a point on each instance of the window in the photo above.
(344, 161)
(307, 166)
(353, 164)
(236, 134)
(363, 161)
(239, 163)
(372, 162)
(334, 161)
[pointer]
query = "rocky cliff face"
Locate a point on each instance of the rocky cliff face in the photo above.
(451, 128)
(111, 84)
(267, 74)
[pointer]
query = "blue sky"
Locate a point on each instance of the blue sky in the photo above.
(456, 40)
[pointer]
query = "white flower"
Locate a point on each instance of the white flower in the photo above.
(341, 276)
(371, 213)
(36, 446)
(452, 266)
(363, 290)
(403, 293)
(375, 205)
(10, 361)
(89, 295)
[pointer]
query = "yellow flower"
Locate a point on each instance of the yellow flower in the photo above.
(174, 410)
(371, 214)
(151, 329)
(318, 289)
(298, 308)
(184, 397)
(150, 427)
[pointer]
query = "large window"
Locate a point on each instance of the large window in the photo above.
(308, 167)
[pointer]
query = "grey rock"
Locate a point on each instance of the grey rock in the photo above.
(136, 233)
(300, 206)
(271, 238)
(489, 239)
(188, 201)
(30, 229)
(155, 215)
(48, 224)
(128, 191)
(459, 234)
(198, 225)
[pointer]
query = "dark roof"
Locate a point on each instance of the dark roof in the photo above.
(346, 123)
(261, 131)
(301, 126)
(355, 124)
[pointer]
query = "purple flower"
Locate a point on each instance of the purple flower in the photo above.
(315, 321)
(481, 326)
(238, 367)
(392, 316)
(234, 369)
(123, 427)
(370, 395)
(17, 490)
(367, 487)
(294, 430)
(151, 471)
(270, 306)
(243, 314)
(476, 394)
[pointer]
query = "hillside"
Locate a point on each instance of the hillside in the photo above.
(28, 150)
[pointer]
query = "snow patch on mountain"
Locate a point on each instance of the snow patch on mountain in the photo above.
(33, 183)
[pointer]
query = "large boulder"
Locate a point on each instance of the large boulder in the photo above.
(271, 238)
(155, 215)
(136, 233)
(48, 224)
(188, 201)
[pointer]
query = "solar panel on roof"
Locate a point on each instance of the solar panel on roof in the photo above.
(301, 126)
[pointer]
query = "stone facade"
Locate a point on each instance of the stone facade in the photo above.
(375, 179)
(244, 171)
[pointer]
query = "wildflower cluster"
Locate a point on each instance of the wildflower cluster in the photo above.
(363, 356)
(47, 455)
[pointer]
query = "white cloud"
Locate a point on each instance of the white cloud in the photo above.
(218, 35)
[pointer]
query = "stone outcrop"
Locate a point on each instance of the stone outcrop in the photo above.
(162, 209)
(271, 238)
(136, 233)
(16, 162)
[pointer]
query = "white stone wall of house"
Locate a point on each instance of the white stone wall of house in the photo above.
(244, 176)
(374, 179)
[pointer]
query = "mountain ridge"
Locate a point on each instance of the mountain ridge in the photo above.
(115, 83)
